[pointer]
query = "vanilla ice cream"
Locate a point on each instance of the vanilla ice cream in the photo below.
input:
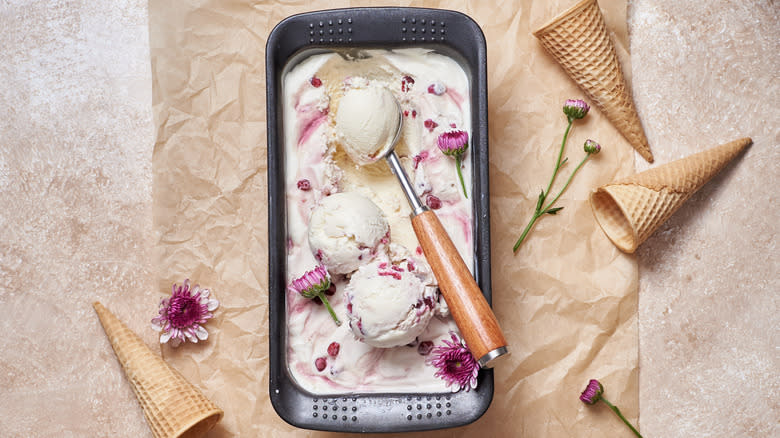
(345, 231)
(366, 123)
(389, 305)
(339, 213)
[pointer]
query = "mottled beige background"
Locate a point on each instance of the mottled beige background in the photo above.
(76, 145)
(706, 73)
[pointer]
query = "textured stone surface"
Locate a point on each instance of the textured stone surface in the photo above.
(76, 138)
(705, 73)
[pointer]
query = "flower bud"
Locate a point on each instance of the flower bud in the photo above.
(313, 283)
(453, 143)
(592, 147)
(575, 108)
(592, 393)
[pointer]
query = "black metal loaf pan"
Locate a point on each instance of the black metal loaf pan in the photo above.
(447, 32)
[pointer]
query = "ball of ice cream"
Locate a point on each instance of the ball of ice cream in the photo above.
(388, 304)
(345, 231)
(367, 122)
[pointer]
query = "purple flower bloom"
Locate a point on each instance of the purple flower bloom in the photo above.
(591, 147)
(575, 108)
(453, 143)
(592, 393)
(181, 315)
(313, 284)
(455, 364)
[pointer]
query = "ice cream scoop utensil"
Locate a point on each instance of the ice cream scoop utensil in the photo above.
(471, 312)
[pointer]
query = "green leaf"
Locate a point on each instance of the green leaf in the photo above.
(540, 201)
(554, 210)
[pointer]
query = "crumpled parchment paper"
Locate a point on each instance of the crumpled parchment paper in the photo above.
(567, 301)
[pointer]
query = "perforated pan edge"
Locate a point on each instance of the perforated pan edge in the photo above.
(451, 33)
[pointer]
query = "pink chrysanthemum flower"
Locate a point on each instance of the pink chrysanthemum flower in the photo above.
(313, 284)
(592, 392)
(454, 144)
(183, 314)
(455, 364)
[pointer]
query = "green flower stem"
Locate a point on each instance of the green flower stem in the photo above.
(558, 163)
(460, 174)
(527, 229)
(325, 301)
(617, 411)
(544, 210)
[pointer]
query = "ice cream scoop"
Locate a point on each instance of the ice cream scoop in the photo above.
(367, 122)
(389, 305)
(471, 312)
(345, 230)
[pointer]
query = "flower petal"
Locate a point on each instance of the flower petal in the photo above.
(175, 342)
(212, 304)
(190, 333)
(201, 333)
(165, 336)
(156, 326)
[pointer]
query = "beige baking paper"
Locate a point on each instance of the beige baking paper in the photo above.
(567, 300)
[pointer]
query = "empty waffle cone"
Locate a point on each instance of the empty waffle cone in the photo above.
(630, 210)
(173, 407)
(579, 42)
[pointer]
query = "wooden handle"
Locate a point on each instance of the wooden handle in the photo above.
(468, 306)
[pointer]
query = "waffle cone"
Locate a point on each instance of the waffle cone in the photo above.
(579, 42)
(630, 210)
(173, 407)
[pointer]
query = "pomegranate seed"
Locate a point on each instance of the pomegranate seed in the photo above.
(315, 82)
(419, 250)
(321, 363)
(406, 113)
(409, 265)
(425, 348)
(330, 290)
(406, 83)
(333, 349)
(452, 125)
(430, 124)
(414, 114)
(437, 88)
(433, 202)
(304, 184)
